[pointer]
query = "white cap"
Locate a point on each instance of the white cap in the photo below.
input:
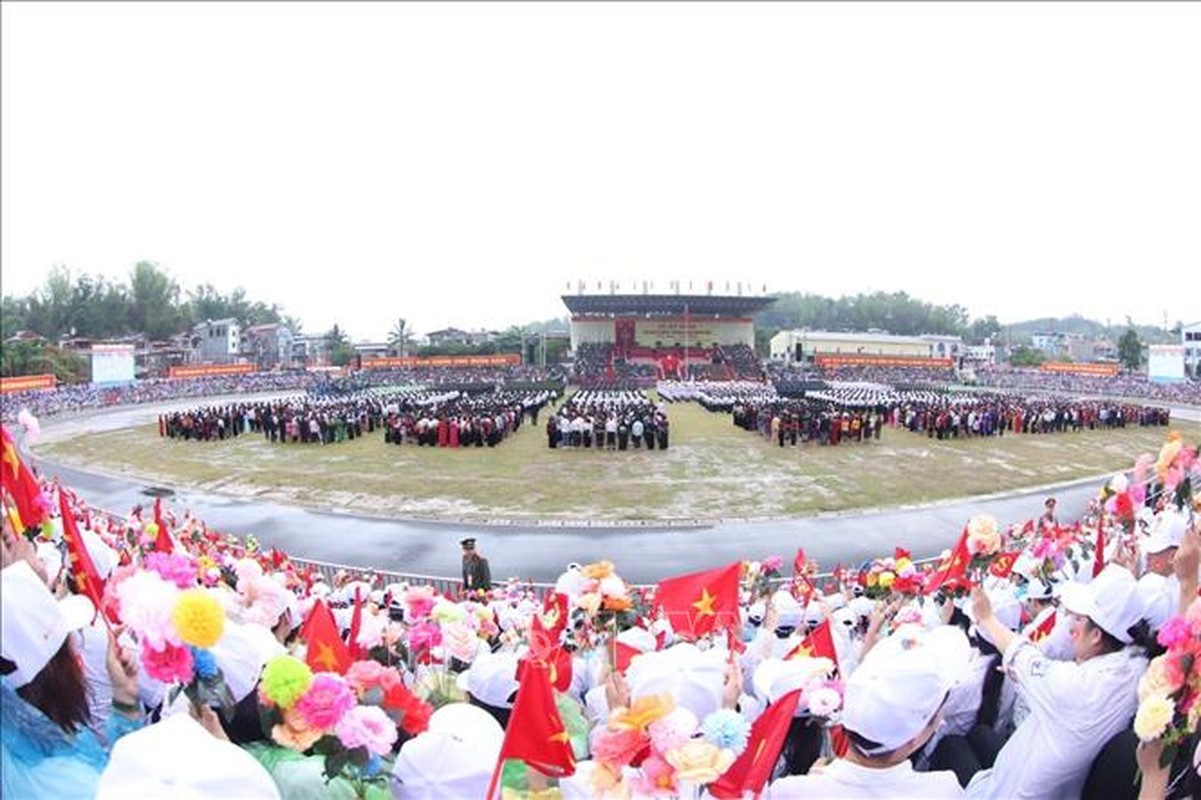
(492, 679)
(775, 677)
(788, 609)
(1038, 589)
(453, 758)
(33, 625)
(1111, 601)
(104, 558)
(640, 639)
(902, 683)
(1166, 531)
(177, 758)
(692, 676)
(241, 652)
(862, 606)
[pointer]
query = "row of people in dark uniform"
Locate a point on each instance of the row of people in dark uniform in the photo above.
(609, 420)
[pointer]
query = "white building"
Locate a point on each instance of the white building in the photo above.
(1190, 337)
(216, 341)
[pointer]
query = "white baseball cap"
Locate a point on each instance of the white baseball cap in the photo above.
(453, 758)
(692, 676)
(1166, 531)
(178, 758)
(902, 683)
(1111, 600)
(492, 679)
(33, 625)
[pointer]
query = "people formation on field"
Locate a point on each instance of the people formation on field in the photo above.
(606, 419)
(1026, 661)
(423, 417)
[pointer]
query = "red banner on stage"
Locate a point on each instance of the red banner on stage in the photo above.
(498, 360)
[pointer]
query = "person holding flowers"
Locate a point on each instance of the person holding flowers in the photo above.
(1076, 706)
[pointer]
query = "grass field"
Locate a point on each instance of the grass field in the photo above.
(712, 470)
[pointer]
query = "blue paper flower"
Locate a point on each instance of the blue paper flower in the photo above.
(727, 729)
(205, 664)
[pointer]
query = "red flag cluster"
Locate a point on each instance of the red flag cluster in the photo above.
(19, 484)
(700, 603)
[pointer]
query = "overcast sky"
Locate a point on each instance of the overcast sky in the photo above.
(460, 164)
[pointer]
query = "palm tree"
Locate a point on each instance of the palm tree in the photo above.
(399, 336)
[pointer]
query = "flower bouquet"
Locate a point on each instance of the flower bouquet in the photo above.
(1169, 692)
(756, 577)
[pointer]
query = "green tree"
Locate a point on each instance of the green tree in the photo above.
(154, 296)
(985, 328)
(399, 337)
(1023, 356)
(1130, 349)
(340, 350)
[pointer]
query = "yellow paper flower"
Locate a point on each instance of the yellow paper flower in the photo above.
(1168, 453)
(198, 617)
(886, 579)
(699, 762)
(600, 570)
(982, 535)
(1153, 717)
(645, 710)
(1154, 680)
(589, 602)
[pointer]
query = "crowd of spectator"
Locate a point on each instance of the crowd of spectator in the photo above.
(152, 657)
(1124, 384)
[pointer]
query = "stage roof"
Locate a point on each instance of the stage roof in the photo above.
(665, 304)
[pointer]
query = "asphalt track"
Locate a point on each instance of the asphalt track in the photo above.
(539, 551)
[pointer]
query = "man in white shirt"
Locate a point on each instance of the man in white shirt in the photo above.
(893, 705)
(1075, 707)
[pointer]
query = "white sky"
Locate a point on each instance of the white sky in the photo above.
(459, 164)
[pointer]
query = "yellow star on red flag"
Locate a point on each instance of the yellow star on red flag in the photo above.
(704, 606)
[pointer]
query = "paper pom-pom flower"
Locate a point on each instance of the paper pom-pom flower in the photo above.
(199, 618)
(205, 664)
(367, 726)
(326, 702)
(285, 680)
(727, 729)
(699, 761)
(170, 664)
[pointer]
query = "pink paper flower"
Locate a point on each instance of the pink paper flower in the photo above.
(658, 778)
(326, 702)
(365, 675)
(618, 747)
(424, 635)
(671, 731)
(367, 726)
(1175, 633)
(178, 568)
(172, 663)
(420, 601)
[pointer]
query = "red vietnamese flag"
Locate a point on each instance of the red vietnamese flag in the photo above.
(545, 647)
(326, 650)
(751, 770)
(1044, 629)
(953, 568)
(19, 484)
(899, 553)
(1099, 553)
(535, 733)
(1002, 565)
(356, 623)
(555, 611)
(798, 563)
(818, 644)
(87, 579)
(162, 539)
(700, 602)
(624, 654)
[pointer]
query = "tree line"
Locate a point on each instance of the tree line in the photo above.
(151, 302)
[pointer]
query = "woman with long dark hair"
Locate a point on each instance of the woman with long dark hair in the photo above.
(46, 748)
